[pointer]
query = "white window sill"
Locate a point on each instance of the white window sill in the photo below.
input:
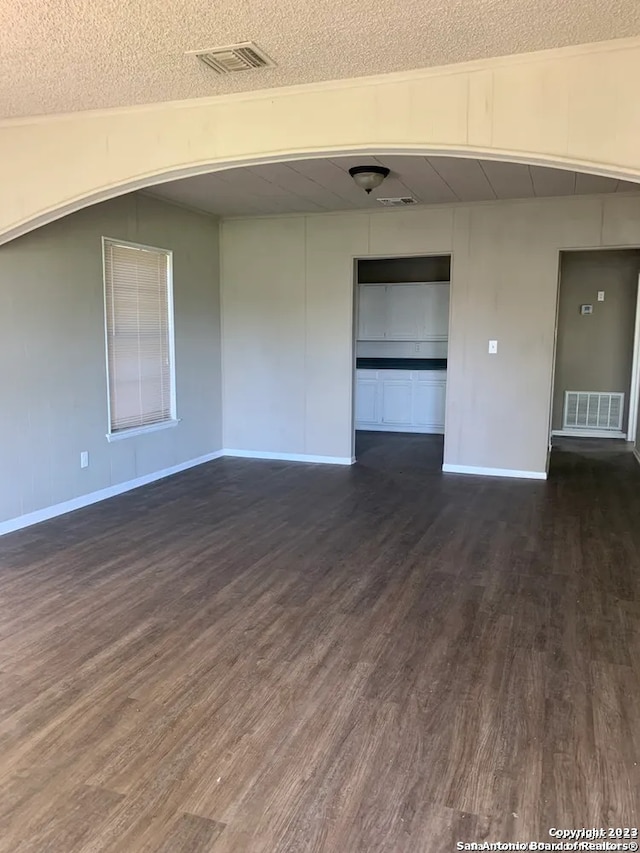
(143, 430)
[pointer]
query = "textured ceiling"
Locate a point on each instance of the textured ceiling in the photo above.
(319, 185)
(62, 55)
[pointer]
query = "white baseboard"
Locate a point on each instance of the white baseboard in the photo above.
(588, 433)
(289, 457)
(48, 512)
(493, 472)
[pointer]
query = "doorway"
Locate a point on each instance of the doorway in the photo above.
(401, 335)
(595, 389)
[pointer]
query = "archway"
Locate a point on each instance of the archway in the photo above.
(554, 108)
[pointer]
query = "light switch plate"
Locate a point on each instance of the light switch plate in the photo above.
(84, 459)
(493, 347)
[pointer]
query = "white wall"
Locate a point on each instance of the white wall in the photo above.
(287, 302)
(54, 391)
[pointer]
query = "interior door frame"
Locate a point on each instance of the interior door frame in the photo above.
(634, 388)
(355, 303)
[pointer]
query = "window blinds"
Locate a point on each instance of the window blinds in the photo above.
(138, 329)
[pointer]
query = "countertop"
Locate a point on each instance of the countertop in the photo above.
(401, 363)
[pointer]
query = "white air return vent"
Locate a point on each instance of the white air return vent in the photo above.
(398, 202)
(592, 410)
(234, 57)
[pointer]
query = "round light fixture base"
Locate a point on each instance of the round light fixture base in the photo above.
(368, 177)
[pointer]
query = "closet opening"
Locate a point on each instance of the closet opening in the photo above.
(401, 350)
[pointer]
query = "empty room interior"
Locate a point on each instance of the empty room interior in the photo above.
(319, 462)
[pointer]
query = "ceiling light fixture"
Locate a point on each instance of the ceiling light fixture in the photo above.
(368, 177)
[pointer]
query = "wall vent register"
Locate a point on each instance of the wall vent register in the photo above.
(591, 410)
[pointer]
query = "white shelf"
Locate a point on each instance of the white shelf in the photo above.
(437, 339)
(393, 283)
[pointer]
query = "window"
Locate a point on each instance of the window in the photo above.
(139, 333)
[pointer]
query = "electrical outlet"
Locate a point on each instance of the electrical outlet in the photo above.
(417, 347)
(84, 459)
(601, 296)
(493, 347)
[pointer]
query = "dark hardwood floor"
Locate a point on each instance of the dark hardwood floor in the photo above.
(264, 656)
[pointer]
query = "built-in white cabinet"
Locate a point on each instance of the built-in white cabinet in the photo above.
(434, 314)
(372, 313)
(401, 312)
(401, 400)
(367, 403)
(396, 401)
(404, 307)
(429, 403)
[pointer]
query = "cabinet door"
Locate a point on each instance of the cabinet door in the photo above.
(367, 408)
(433, 312)
(429, 404)
(403, 312)
(372, 312)
(397, 397)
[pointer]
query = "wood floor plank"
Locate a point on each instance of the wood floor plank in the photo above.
(191, 834)
(58, 817)
(267, 656)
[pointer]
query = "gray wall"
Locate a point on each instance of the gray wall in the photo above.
(594, 352)
(52, 351)
(287, 295)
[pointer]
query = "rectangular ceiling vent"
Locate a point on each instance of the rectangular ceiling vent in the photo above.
(234, 57)
(398, 202)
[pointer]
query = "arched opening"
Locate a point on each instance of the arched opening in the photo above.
(157, 180)
(269, 252)
(454, 198)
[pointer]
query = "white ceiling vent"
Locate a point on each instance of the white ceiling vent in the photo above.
(234, 57)
(398, 202)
